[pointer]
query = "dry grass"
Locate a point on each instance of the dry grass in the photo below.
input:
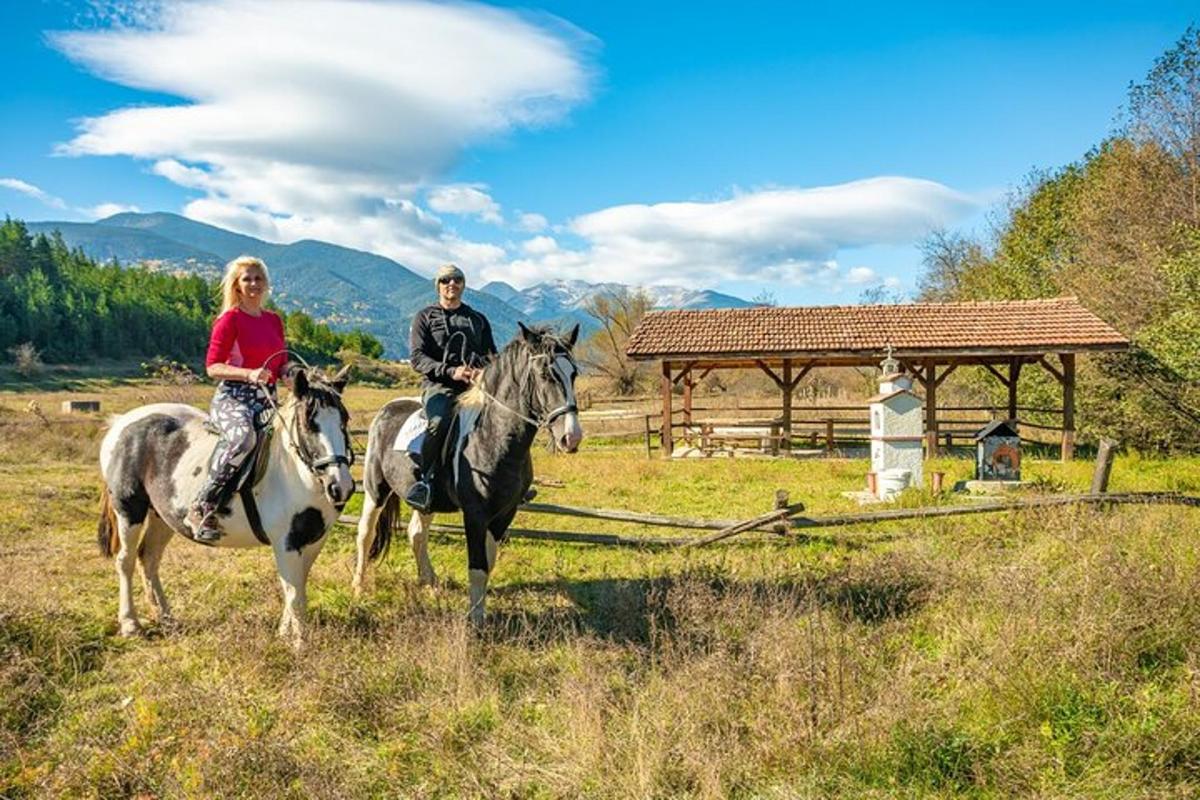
(1049, 654)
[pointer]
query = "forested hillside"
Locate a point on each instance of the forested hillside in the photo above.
(71, 308)
(1120, 229)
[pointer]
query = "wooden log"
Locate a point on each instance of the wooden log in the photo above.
(1104, 462)
(75, 406)
(635, 516)
(866, 518)
(742, 527)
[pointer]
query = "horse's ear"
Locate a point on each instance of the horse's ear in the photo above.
(573, 336)
(526, 334)
(300, 383)
(340, 380)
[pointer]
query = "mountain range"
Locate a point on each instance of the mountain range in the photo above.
(341, 286)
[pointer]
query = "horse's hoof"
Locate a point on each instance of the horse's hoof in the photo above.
(130, 628)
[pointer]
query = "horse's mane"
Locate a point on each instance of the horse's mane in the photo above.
(319, 395)
(544, 341)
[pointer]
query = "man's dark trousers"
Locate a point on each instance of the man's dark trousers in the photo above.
(439, 404)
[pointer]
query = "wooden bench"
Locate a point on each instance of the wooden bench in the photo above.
(764, 434)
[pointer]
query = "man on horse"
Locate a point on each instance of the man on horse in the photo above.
(449, 343)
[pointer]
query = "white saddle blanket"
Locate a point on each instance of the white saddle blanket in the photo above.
(412, 433)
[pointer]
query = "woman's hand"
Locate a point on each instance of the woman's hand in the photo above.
(261, 375)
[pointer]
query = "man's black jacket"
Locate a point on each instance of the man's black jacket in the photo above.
(442, 339)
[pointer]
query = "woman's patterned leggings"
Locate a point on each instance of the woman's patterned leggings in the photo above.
(239, 411)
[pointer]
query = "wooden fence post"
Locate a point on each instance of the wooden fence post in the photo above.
(829, 435)
(1104, 462)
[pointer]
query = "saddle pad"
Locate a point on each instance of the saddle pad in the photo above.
(412, 434)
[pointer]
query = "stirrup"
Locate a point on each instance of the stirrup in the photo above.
(203, 524)
(419, 497)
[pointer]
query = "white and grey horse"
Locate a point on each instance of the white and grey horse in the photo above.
(153, 461)
(529, 385)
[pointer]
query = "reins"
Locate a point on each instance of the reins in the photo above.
(295, 439)
(568, 408)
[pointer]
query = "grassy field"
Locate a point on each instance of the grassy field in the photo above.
(1053, 653)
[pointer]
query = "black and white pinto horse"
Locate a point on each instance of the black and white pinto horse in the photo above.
(529, 385)
(154, 459)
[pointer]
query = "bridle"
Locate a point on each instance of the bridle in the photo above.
(299, 445)
(567, 408)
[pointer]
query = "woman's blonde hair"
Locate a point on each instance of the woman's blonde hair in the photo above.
(231, 294)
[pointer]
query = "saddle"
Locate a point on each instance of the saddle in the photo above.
(412, 435)
(249, 475)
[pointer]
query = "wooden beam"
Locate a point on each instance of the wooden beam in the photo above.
(1059, 376)
(800, 376)
(1014, 378)
(1000, 376)
(685, 371)
(687, 400)
(931, 421)
(946, 374)
(666, 409)
(770, 373)
(1068, 387)
(786, 390)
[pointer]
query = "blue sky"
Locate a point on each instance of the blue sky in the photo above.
(803, 149)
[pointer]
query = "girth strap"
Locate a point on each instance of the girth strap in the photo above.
(252, 516)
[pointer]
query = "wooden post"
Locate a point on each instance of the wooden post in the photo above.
(829, 435)
(1068, 387)
(781, 502)
(666, 409)
(647, 420)
(1014, 374)
(931, 424)
(1104, 462)
(688, 383)
(787, 405)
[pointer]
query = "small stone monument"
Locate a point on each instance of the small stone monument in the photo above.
(897, 424)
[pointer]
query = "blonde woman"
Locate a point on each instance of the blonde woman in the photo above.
(246, 354)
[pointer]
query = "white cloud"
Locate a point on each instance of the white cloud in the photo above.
(106, 210)
(861, 276)
(327, 117)
(28, 189)
(462, 198)
(90, 212)
(777, 235)
(532, 223)
(539, 246)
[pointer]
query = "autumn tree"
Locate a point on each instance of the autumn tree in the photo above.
(618, 313)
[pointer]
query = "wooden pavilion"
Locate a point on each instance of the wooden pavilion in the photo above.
(930, 340)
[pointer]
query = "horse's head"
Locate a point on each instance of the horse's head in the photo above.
(319, 432)
(552, 372)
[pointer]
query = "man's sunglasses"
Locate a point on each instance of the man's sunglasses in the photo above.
(450, 280)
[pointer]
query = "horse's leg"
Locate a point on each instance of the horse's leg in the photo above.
(481, 557)
(154, 542)
(418, 538)
(128, 533)
(366, 537)
(293, 570)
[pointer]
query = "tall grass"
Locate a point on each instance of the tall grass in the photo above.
(1051, 653)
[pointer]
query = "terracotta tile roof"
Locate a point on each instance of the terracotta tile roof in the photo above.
(1060, 324)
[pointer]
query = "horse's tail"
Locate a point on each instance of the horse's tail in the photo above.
(388, 521)
(106, 528)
